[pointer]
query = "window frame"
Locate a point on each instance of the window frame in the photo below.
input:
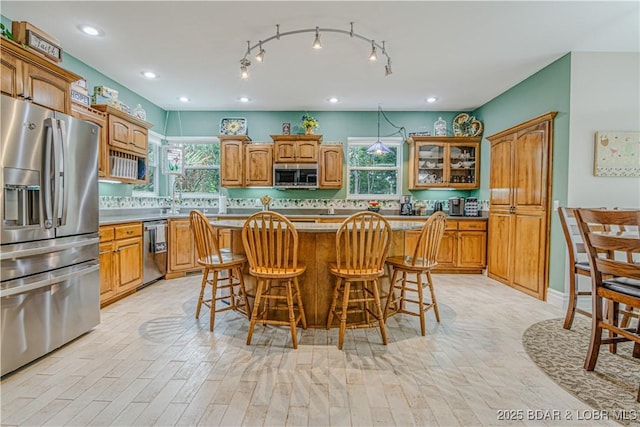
(155, 142)
(367, 142)
(199, 140)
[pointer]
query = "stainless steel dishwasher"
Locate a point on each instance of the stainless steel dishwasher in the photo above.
(155, 251)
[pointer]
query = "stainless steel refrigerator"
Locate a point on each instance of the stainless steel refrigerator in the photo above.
(50, 281)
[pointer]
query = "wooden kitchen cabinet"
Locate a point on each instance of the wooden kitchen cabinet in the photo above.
(27, 75)
(444, 162)
(243, 164)
(120, 261)
(463, 248)
(182, 249)
(127, 141)
(520, 193)
(258, 171)
(296, 148)
(99, 118)
(330, 166)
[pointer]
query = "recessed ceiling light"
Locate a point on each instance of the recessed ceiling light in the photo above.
(149, 74)
(184, 99)
(333, 100)
(90, 31)
(432, 99)
(244, 99)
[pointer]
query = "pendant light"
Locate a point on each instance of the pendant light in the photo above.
(378, 148)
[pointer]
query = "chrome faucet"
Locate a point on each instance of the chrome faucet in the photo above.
(174, 210)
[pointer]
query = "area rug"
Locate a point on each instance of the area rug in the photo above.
(560, 353)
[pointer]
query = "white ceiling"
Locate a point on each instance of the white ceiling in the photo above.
(464, 53)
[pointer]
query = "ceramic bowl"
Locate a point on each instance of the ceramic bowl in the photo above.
(467, 164)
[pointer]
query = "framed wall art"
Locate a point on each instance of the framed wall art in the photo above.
(172, 160)
(617, 154)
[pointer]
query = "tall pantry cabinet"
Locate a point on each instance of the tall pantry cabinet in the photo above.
(520, 193)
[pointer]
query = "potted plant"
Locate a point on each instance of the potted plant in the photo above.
(309, 124)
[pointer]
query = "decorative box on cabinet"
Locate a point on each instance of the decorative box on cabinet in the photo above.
(243, 164)
(444, 162)
(330, 166)
(296, 148)
(99, 118)
(27, 75)
(120, 261)
(127, 142)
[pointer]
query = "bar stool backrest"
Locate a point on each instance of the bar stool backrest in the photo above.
(362, 242)
(271, 243)
(426, 251)
(205, 237)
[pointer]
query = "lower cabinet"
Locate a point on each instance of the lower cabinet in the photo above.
(183, 255)
(120, 261)
(463, 248)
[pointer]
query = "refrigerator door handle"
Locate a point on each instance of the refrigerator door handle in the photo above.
(47, 172)
(61, 166)
(50, 280)
(56, 171)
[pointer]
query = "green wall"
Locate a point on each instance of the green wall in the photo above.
(547, 90)
(335, 126)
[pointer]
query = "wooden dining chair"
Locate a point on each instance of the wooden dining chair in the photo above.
(578, 264)
(615, 279)
(224, 267)
(271, 243)
(418, 264)
(362, 243)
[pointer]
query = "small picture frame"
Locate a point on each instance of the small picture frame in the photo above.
(286, 128)
(172, 160)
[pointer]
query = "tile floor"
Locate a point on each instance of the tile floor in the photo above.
(150, 362)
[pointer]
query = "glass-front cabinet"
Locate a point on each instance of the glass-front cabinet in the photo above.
(444, 162)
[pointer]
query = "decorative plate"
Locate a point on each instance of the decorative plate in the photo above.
(465, 125)
(233, 126)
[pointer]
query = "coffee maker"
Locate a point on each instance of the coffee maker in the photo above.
(405, 205)
(456, 206)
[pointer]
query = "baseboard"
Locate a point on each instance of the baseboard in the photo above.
(557, 298)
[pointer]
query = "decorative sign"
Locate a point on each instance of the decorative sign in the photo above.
(172, 160)
(80, 98)
(617, 154)
(44, 46)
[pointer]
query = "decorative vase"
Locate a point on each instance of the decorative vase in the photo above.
(309, 130)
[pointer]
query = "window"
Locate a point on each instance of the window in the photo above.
(201, 167)
(150, 189)
(374, 176)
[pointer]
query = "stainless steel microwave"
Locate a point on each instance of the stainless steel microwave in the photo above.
(295, 175)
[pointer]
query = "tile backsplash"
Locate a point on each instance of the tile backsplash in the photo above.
(120, 202)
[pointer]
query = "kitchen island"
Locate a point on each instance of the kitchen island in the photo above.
(316, 250)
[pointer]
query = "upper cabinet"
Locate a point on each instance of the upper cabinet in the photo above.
(444, 162)
(99, 118)
(330, 167)
(296, 148)
(27, 75)
(126, 145)
(244, 164)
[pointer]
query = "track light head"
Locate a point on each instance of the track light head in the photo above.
(260, 55)
(373, 56)
(387, 68)
(316, 43)
(244, 64)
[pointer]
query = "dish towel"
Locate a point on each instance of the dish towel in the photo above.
(160, 244)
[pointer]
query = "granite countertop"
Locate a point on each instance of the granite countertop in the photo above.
(120, 216)
(314, 227)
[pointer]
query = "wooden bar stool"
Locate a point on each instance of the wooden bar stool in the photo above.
(420, 263)
(271, 243)
(362, 243)
(217, 262)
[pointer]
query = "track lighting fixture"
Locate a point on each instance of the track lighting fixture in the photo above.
(317, 44)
